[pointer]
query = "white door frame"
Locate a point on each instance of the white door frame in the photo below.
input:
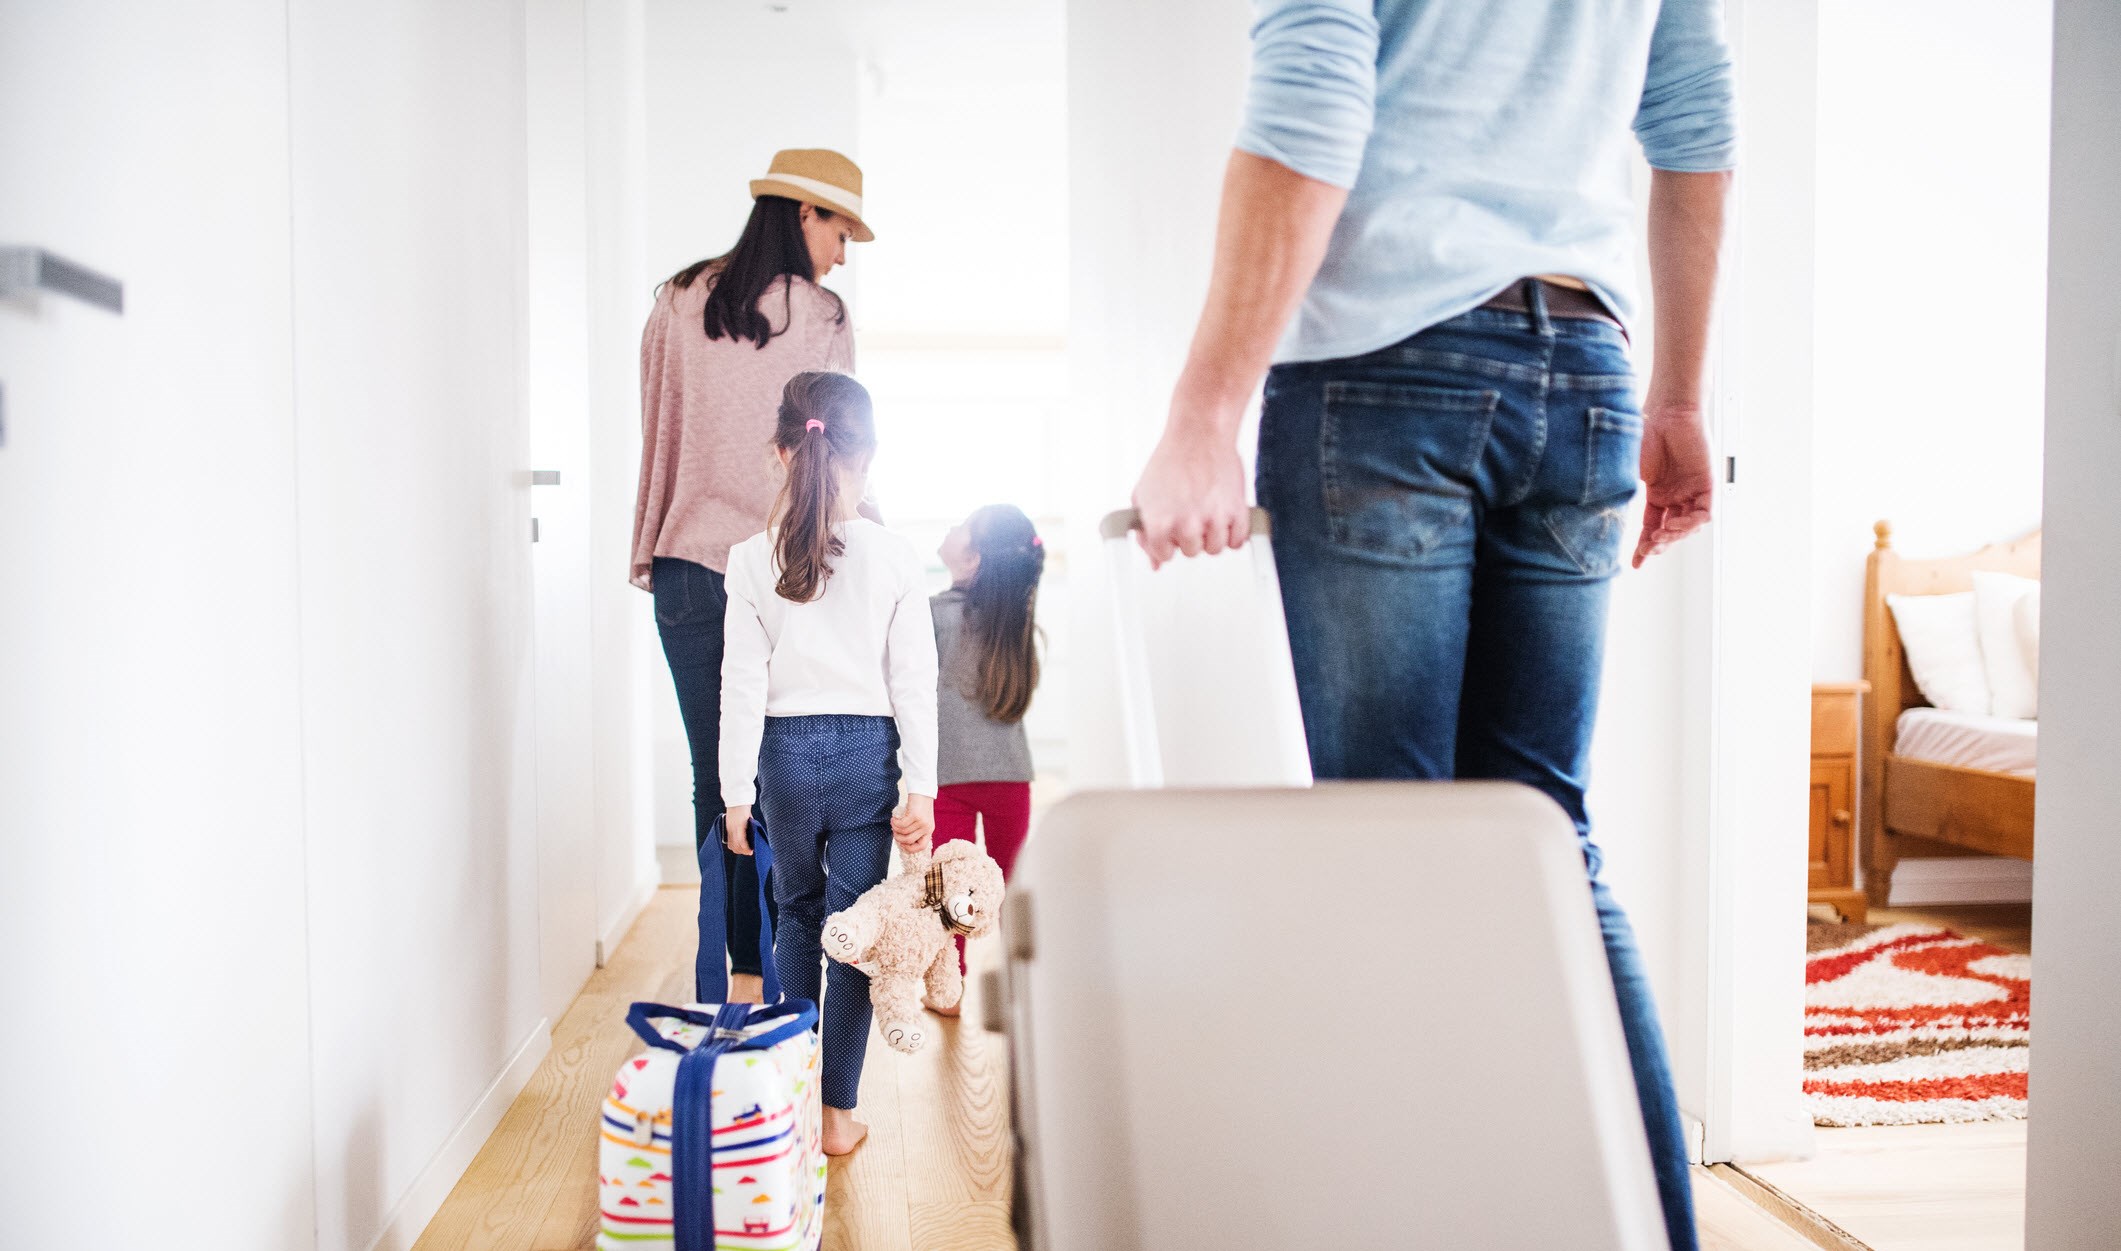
(1745, 987)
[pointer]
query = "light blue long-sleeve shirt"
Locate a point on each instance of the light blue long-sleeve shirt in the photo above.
(1483, 141)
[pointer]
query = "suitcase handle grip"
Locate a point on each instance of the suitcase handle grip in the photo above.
(1117, 525)
(801, 1012)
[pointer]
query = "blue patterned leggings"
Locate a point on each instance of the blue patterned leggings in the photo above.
(827, 786)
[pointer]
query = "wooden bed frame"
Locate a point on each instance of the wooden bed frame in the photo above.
(1918, 807)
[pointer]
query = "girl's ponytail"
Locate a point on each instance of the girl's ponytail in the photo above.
(1001, 609)
(828, 431)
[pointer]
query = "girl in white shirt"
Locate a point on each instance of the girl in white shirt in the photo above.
(828, 700)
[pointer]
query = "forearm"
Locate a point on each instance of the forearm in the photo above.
(742, 715)
(910, 675)
(1269, 241)
(1686, 240)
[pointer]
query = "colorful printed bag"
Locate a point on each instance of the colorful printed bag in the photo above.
(712, 1139)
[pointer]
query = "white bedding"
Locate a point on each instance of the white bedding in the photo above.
(1968, 740)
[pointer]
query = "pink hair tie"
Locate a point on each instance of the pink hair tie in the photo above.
(1037, 541)
(813, 424)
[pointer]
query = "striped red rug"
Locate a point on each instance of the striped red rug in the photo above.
(1906, 1024)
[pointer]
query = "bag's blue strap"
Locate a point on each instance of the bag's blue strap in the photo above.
(762, 854)
(692, 1130)
(801, 1014)
(762, 851)
(641, 1014)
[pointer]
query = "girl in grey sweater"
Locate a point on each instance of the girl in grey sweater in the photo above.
(986, 642)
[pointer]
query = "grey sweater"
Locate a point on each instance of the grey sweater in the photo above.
(970, 745)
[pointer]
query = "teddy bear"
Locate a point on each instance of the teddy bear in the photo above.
(900, 932)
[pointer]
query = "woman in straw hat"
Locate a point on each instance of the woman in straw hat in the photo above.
(726, 335)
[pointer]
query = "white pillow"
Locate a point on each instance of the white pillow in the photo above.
(2013, 691)
(1943, 649)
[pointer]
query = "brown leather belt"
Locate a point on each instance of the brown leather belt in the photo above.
(1561, 301)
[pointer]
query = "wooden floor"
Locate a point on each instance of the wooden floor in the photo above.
(2009, 926)
(1922, 1187)
(934, 1174)
(1915, 1187)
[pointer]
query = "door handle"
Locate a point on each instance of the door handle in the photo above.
(544, 477)
(34, 269)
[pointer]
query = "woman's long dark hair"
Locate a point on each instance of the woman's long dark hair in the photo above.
(771, 249)
(826, 426)
(1001, 608)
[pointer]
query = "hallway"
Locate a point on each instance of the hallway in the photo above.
(933, 1175)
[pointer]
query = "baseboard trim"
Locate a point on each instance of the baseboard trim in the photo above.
(1961, 880)
(431, 1188)
(1822, 1233)
(609, 941)
(680, 865)
(1696, 1136)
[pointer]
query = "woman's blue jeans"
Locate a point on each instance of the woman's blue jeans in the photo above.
(1448, 515)
(689, 603)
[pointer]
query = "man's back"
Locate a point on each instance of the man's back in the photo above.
(1484, 142)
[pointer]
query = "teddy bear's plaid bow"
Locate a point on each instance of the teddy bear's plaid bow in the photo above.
(932, 896)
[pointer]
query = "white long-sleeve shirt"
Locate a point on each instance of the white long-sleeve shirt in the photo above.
(866, 647)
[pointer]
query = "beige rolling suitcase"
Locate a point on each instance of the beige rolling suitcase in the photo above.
(1348, 1016)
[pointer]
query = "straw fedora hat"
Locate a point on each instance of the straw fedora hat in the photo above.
(819, 177)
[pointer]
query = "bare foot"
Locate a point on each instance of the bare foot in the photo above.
(746, 988)
(842, 1132)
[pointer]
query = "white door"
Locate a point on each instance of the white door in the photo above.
(561, 564)
(408, 151)
(1745, 989)
(152, 937)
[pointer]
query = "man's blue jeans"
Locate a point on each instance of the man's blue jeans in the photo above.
(1448, 515)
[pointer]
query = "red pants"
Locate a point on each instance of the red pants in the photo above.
(1004, 808)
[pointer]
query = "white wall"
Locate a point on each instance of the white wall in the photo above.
(1931, 289)
(2075, 1131)
(412, 447)
(153, 962)
(266, 711)
(728, 86)
(627, 661)
(1154, 94)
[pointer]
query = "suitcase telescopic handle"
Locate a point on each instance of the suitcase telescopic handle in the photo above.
(1142, 743)
(1117, 525)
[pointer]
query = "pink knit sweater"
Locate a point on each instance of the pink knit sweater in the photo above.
(708, 408)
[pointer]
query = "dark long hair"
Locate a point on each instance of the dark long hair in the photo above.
(826, 426)
(1001, 607)
(771, 249)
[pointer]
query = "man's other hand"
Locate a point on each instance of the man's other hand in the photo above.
(1680, 483)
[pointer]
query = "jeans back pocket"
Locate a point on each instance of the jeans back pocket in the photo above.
(1590, 531)
(1398, 463)
(687, 594)
(1612, 459)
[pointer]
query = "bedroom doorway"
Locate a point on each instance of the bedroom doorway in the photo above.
(1924, 470)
